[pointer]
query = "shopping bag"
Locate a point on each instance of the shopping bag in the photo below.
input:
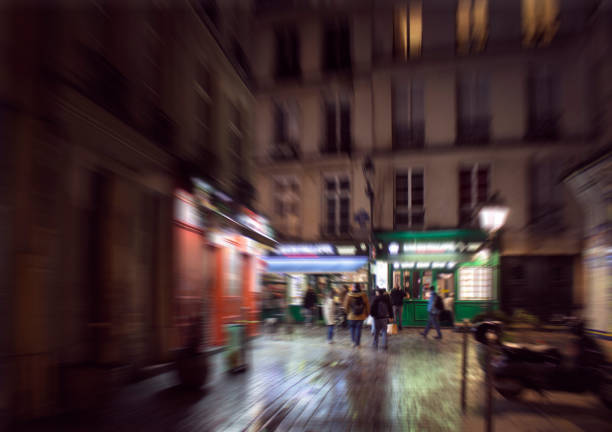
(369, 321)
(391, 329)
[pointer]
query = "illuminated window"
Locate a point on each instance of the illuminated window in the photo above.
(408, 30)
(475, 283)
(540, 21)
(472, 25)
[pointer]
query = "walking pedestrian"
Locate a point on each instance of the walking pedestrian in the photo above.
(397, 300)
(358, 307)
(310, 303)
(434, 307)
(381, 313)
(375, 294)
(329, 315)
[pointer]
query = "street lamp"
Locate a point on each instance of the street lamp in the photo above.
(368, 173)
(493, 214)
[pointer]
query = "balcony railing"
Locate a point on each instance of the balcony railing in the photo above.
(285, 151)
(406, 137)
(329, 148)
(472, 131)
(547, 219)
(341, 231)
(542, 128)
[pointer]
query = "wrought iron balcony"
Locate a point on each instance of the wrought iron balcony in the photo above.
(285, 151)
(409, 137)
(543, 127)
(471, 131)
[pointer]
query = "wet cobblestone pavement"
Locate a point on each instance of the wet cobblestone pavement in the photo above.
(299, 382)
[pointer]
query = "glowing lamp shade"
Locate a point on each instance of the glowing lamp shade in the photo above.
(493, 217)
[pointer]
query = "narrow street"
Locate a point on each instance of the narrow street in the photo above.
(299, 382)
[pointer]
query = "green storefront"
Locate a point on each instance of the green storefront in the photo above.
(462, 264)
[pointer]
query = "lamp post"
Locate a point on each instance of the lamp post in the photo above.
(368, 173)
(492, 216)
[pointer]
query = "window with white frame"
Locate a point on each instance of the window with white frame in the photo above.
(337, 195)
(475, 283)
(337, 113)
(543, 90)
(409, 198)
(286, 197)
(408, 116)
(474, 115)
(474, 186)
(286, 130)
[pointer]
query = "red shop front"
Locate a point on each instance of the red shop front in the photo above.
(217, 272)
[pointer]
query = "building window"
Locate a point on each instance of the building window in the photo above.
(337, 195)
(474, 184)
(336, 46)
(540, 21)
(410, 199)
(236, 137)
(546, 203)
(153, 55)
(473, 119)
(408, 30)
(337, 137)
(286, 131)
(475, 283)
(203, 87)
(472, 25)
(286, 202)
(408, 115)
(287, 53)
(543, 122)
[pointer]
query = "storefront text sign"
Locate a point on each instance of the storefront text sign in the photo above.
(307, 249)
(435, 247)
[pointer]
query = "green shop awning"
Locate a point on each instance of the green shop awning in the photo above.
(441, 245)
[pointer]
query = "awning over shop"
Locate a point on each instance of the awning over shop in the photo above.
(314, 265)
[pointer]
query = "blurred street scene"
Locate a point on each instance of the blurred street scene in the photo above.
(208, 206)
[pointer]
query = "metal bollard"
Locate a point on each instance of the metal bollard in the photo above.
(489, 384)
(464, 370)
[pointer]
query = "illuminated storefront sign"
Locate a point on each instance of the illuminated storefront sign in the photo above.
(346, 250)
(435, 247)
(393, 248)
(319, 249)
(306, 249)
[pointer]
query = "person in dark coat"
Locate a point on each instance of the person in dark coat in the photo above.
(397, 300)
(381, 312)
(310, 304)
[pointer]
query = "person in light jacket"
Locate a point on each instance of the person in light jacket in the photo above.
(329, 315)
(358, 307)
